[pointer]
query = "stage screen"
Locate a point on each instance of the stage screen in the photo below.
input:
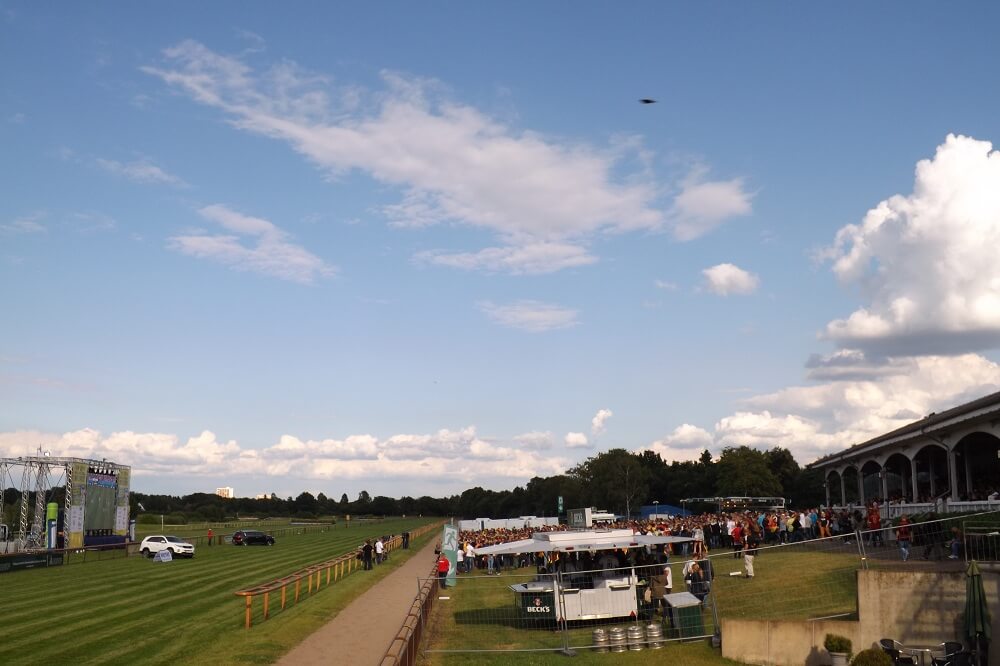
(102, 496)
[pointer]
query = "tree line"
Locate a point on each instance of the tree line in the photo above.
(616, 480)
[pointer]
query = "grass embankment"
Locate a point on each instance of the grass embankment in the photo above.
(790, 583)
(136, 611)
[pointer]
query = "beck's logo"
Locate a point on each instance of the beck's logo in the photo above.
(538, 607)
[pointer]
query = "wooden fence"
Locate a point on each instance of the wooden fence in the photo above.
(405, 646)
(290, 587)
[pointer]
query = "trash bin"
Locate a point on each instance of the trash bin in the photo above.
(406, 540)
(685, 615)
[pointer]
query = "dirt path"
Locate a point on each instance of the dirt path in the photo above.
(360, 634)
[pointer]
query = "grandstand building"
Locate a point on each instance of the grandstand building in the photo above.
(947, 461)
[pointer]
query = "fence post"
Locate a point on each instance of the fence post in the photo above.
(861, 549)
(267, 597)
(328, 574)
(283, 588)
(298, 587)
(249, 612)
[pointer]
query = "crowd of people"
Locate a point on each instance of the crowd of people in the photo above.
(374, 552)
(740, 533)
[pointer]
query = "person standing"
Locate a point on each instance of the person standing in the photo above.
(903, 536)
(366, 555)
(379, 550)
(470, 557)
(442, 568)
(696, 580)
(460, 558)
(660, 586)
(750, 551)
(737, 536)
(209, 536)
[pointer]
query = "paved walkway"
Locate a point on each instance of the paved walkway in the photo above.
(360, 634)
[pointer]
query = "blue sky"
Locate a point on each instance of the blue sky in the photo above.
(412, 249)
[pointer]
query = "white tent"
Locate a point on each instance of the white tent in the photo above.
(568, 542)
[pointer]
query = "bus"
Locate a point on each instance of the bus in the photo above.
(738, 504)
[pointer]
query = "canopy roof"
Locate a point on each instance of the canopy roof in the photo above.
(588, 540)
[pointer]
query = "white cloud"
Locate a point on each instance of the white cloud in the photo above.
(26, 224)
(599, 422)
(528, 259)
(927, 261)
(443, 457)
(726, 279)
(543, 198)
(140, 171)
(576, 440)
(667, 286)
(273, 254)
(703, 205)
(535, 440)
(685, 443)
(531, 316)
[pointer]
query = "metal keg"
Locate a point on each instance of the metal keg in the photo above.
(616, 639)
(600, 640)
(654, 635)
(636, 637)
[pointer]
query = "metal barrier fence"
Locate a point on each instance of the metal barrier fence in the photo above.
(567, 610)
(804, 579)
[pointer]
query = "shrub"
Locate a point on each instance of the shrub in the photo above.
(871, 657)
(837, 643)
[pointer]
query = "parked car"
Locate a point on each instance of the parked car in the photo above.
(252, 538)
(177, 546)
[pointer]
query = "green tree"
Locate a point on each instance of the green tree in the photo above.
(743, 472)
(615, 480)
(783, 466)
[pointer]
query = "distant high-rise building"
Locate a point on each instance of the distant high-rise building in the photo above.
(225, 492)
(262, 496)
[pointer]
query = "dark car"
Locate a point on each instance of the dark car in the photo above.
(252, 538)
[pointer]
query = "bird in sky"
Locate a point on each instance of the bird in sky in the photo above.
(646, 100)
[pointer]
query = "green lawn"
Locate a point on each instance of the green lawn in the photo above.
(134, 610)
(790, 583)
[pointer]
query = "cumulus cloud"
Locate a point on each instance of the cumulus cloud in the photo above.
(543, 198)
(576, 440)
(599, 422)
(446, 456)
(140, 171)
(726, 279)
(273, 254)
(685, 443)
(926, 261)
(531, 316)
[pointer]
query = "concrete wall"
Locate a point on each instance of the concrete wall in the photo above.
(915, 608)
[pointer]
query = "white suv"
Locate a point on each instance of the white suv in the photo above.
(177, 546)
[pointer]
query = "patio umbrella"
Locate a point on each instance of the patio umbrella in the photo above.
(977, 613)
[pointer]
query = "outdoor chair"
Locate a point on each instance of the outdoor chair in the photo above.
(953, 655)
(892, 648)
(962, 658)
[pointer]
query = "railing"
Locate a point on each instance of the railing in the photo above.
(335, 570)
(404, 647)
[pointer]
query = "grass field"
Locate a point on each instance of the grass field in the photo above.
(136, 611)
(790, 583)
